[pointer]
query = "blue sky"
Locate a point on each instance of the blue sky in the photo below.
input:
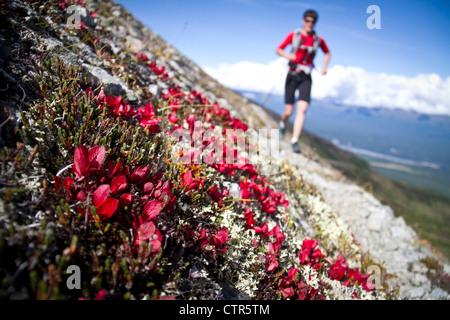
(413, 36)
(412, 40)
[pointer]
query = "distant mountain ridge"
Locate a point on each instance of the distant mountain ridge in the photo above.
(397, 136)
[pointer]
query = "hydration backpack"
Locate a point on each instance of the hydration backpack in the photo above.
(297, 43)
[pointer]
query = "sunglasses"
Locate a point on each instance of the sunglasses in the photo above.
(310, 21)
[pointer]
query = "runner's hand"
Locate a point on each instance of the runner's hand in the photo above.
(291, 56)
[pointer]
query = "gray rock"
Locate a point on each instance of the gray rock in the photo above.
(134, 44)
(154, 89)
(233, 188)
(400, 234)
(56, 47)
(177, 69)
(85, 16)
(88, 56)
(378, 219)
(135, 32)
(108, 22)
(116, 11)
(111, 85)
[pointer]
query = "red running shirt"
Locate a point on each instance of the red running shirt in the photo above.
(308, 41)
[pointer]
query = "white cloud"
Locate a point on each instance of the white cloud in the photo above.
(424, 93)
(251, 76)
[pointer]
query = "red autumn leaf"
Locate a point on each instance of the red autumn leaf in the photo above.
(156, 241)
(220, 238)
(96, 156)
(267, 205)
(115, 169)
(292, 274)
(202, 234)
(148, 187)
(118, 184)
(173, 118)
(304, 256)
(203, 238)
(277, 246)
(317, 254)
(287, 292)
(142, 57)
(125, 199)
(152, 209)
(336, 272)
(272, 263)
(80, 158)
(147, 117)
(101, 194)
(189, 181)
(165, 298)
(248, 216)
(151, 126)
(145, 230)
(58, 183)
(204, 243)
(278, 234)
(90, 93)
(188, 232)
(139, 175)
(280, 237)
(101, 96)
(81, 211)
(109, 208)
(81, 195)
(355, 276)
(101, 295)
(309, 244)
(195, 183)
(264, 229)
(245, 194)
(68, 182)
(157, 176)
(274, 231)
(271, 250)
(187, 178)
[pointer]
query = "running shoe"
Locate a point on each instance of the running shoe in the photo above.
(296, 147)
(282, 132)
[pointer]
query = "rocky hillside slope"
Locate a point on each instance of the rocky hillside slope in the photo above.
(106, 168)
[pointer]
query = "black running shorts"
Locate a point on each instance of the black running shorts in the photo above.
(300, 81)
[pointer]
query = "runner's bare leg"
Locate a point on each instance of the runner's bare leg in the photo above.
(289, 109)
(299, 119)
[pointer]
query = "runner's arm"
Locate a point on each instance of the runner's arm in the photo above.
(325, 50)
(325, 63)
(284, 44)
(289, 56)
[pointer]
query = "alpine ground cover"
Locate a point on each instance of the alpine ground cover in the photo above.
(94, 181)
